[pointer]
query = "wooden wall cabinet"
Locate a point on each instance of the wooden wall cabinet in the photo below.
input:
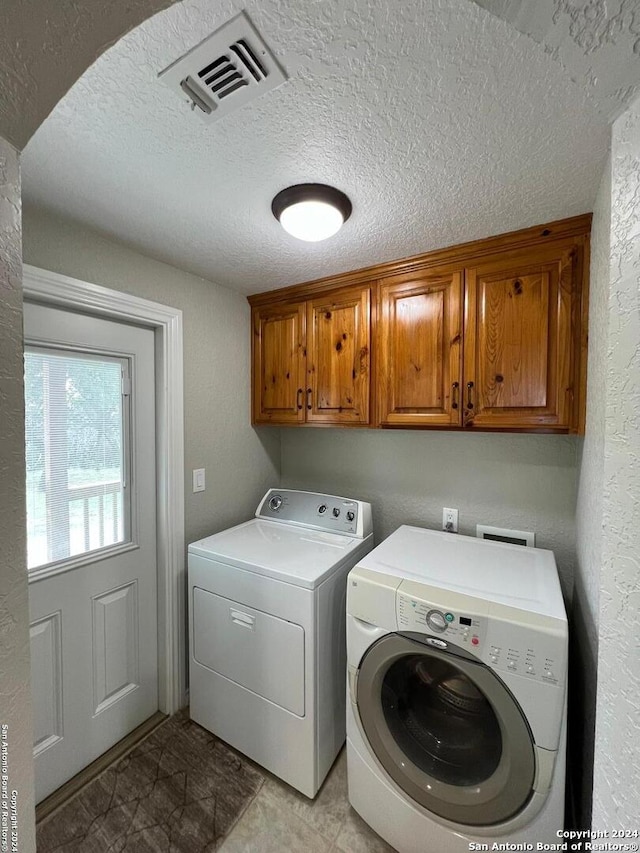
(419, 336)
(520, 350)
(279, 363)
(311, 360)
(490, 335)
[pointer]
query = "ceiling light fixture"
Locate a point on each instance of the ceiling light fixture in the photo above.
(311, 212)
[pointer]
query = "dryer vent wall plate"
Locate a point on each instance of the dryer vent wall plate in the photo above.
(226, 70)
(503, 534)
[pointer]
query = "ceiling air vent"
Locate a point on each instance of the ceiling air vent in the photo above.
(226, 70)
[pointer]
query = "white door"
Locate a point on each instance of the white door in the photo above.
(91, 515)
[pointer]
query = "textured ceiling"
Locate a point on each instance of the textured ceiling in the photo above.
(440, 121)
(596, 42)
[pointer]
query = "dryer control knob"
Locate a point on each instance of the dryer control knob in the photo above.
(436, 621)
(350, 515)
(322, 508)
(336, 511)
(275, 503)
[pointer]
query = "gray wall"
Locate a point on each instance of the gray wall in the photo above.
(15, 683)
(616, 791)
(584, 621)
(526, 482)
(241, 463)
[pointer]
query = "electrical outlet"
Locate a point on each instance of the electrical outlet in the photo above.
(450, 519)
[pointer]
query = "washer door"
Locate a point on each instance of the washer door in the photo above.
(447, 731)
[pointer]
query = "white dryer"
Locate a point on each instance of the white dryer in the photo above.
(267, 649)
(456, 725)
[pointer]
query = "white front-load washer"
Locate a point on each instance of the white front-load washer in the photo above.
(267, 648)
(456, 724)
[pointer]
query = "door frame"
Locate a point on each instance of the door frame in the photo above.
(49, 288)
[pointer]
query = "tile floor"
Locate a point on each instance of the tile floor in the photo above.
(138, 803)
(280, 820)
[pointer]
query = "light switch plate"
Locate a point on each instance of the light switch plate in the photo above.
(198, 480)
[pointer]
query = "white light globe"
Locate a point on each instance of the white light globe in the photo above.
(311, 220)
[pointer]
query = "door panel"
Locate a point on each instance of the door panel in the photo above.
(46, 673)
(420, 329)
(338, 357)
(115, 646)
(94, 605)
(518, 354)
(278, 364)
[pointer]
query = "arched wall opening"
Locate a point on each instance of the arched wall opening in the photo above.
(45, 58)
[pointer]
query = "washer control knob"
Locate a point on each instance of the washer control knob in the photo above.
(336, 511)
(549, 674)
(511, 664)
(322, 509)
(436, 621)
(275, 503)
(530, 669)
(350, 515)
(494, 658)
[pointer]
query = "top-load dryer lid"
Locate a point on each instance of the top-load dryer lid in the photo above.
(285, 552)
(513, 575)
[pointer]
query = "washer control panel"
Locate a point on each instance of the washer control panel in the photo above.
(506, 647)
(527, 652)
(320, 512)
(468, 631)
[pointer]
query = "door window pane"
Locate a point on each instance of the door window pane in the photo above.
(75, 450)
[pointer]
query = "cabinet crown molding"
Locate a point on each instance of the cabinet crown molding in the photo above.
(462, 255)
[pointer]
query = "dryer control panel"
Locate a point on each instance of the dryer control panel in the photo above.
(317, 511)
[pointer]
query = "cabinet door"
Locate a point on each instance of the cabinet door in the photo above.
(419, 356)
(338, 357)
(519, 359)
(278, 364)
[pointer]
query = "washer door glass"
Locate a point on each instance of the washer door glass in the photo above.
(447, 730)
(441, 720)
